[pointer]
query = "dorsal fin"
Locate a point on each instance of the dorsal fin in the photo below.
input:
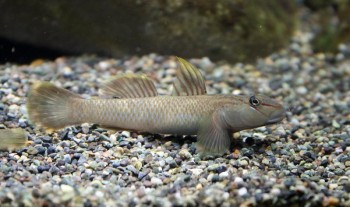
(129, 86)
(189, 81)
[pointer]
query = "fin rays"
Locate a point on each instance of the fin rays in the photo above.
(189, 81)
(129, 86)
(213, 138)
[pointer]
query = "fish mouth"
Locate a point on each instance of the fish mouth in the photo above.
(276, 116)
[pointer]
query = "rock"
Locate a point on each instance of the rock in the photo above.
(185, 154)
(67, 193)
(156, 181)
(197, 34)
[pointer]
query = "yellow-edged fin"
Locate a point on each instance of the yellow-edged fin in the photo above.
(12, 139)
(213, 138)
(189, 81)
(129, 86)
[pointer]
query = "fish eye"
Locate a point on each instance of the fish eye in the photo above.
(254, 101)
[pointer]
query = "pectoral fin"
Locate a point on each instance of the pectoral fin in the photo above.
(189, 81)
(129, 86)
(213, 138)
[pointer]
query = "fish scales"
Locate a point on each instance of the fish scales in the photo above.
(131, 102)
(160, 114)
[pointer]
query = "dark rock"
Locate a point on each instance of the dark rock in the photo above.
(47, 139)
(42, 168)
(132, 169)
(51, 150)
(148, 28)
(41, 150)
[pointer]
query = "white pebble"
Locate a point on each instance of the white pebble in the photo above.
(156, 181)
(238, 180)
(85, 128)
(242, 191)
(196, 171)
(302, 90)
(223, 175)
(126, 133)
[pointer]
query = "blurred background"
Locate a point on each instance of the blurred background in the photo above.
(231, 30)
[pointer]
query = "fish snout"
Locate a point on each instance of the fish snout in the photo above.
(277, 116)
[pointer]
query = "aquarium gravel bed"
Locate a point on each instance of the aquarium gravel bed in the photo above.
(305, 160)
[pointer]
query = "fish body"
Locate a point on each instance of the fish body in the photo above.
(160, 114)
(11, 139)
(189, 111)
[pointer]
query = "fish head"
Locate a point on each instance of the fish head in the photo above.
(253, 111)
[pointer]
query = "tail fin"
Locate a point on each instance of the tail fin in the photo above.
(51, 107)
(11, 139)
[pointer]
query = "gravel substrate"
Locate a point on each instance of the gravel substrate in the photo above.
(304, 161)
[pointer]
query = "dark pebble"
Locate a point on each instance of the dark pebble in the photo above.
(310, 155)
(247, 152)
(148, 145)
(51, 150)
(35, 193)
(116, 164)
(132, 169)
(347, 187)
(328, 150)
(76, 155)
(107, 145)
(249, 140)
(82, 160)
(54, 170)
(47, 139)
(47, 145)
(215, 178)
(64, 135)
(275, 84)
(124, 144)
(124, 162)
(38, 141)
(220, 169)
(172, 164)
(289, 182)
(41, 150)
(142, 174)
(192, 149)
(2, 106)
(43, 168)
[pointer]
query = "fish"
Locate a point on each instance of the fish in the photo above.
(12, 139)
(131, 102)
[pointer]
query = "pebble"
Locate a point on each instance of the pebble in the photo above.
(67, 193)
(185, 154)
(156, 181)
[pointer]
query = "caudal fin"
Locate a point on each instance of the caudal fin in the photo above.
(11, 139)
(51, 107)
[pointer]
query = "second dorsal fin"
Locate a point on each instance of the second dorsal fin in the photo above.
(129, 86)
(189, 81)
